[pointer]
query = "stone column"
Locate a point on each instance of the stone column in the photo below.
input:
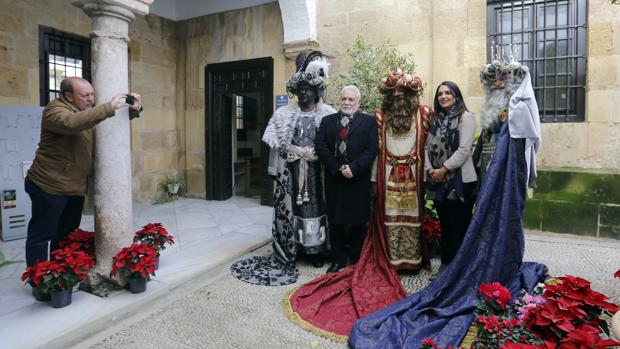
(299, 21)
(113, 195)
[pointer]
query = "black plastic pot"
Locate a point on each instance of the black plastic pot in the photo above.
(61, 299)
(137, 285)
(40, 296)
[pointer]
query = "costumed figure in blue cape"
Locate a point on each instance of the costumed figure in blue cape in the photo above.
(493, 247)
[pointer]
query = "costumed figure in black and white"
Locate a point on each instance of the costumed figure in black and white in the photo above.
(299, 217)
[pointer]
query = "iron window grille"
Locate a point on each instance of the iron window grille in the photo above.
(60, 55)
(550, 38)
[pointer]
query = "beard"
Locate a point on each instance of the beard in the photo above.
(348, 111)
(496, 99)
(399, 111)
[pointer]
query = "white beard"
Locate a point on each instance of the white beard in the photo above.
(348, 111)
(495, 100)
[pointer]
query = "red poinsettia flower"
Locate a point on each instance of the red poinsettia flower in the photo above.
(154, 234)
(617, 274)
(36, 272)
(511, 345)
(428, 343)
(579, 290)
(495, 291)
(77, 261)
(552, 314)
(66, 269)
(588, 337)
(80, 240)
(137, 260)
(431, 229)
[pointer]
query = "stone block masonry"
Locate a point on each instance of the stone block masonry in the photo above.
(576, 202)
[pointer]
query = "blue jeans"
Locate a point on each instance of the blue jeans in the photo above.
(53, 217)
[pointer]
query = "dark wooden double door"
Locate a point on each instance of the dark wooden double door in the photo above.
(239, 102)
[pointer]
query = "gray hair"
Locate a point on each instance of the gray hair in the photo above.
(354, 89)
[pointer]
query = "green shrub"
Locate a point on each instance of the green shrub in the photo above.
(370, 65)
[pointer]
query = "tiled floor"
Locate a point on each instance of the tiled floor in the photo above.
(207, 234)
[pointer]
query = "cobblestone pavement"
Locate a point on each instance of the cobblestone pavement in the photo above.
(228, 313)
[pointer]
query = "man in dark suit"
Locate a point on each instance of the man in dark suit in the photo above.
(347, 144)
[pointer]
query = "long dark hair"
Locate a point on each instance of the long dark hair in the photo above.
(456, 92)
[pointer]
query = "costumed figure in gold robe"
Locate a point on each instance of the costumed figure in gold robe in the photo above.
(403, 127)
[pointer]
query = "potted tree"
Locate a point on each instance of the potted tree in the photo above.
(135, 264)
(58, 276)
(172, 187)
(156, 235)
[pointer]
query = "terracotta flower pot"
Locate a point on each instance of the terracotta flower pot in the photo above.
(61, 299)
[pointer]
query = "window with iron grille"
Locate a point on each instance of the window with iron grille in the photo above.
(60, 55)
(550, 38)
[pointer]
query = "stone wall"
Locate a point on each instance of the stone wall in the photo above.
(19, 43)
(576, 202)
(448, 41)
(167, 61)
(594, 143)
(152, 73)
(447, 38)
(235, 35)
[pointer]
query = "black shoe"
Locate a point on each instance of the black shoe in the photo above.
(335, 267)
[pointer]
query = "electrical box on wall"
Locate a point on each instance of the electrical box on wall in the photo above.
(20, 131)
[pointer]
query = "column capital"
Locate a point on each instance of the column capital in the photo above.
(123, 9)
(291, 49)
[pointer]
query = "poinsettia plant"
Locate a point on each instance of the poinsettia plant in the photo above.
(66, 269)
(135, 261)
(154, 234)
(431, 230)
(497, 319)
(429, 343)
(564, 314)
(80, 240)
(571, 314)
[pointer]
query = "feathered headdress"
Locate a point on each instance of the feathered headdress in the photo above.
(311, 71)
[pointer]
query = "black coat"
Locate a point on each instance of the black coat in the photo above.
(348, 200)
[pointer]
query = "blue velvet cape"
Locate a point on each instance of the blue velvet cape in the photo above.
(492, 250)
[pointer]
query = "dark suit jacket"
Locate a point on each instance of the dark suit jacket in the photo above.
(348, 200)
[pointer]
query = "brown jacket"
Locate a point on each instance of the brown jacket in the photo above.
(64, 158)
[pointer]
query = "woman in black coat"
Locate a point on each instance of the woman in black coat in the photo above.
(346, 145)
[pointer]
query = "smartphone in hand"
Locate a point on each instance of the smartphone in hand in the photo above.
(129, 99)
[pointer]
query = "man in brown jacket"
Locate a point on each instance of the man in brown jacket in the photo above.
(56, 181)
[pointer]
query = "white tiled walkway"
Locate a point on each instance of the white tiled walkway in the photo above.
(207, 234)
